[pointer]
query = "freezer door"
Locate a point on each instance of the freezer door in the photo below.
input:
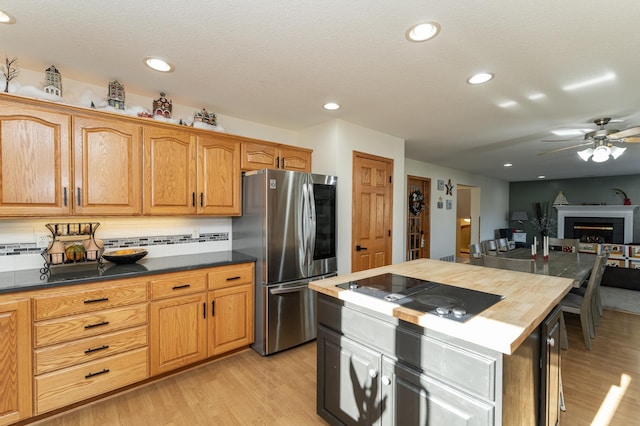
(291, 316)
(286, 226)
(322, 243)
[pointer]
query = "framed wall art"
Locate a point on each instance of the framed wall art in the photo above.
(440, 185)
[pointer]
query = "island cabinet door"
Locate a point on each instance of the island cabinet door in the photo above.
(348, 381)
(410, 397)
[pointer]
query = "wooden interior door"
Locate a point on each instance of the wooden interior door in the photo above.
(371, 213)
(418, 218)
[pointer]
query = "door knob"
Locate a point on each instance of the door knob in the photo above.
(358, 248)
(551, 341)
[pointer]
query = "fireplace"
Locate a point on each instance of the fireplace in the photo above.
(595, 229)
(591, 218)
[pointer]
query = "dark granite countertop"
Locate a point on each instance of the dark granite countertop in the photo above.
(31, 279)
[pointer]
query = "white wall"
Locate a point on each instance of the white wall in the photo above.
(333, 144)
(494, 204)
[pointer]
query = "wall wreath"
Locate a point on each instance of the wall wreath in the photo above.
(416, 202)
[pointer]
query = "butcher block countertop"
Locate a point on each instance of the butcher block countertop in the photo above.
(528, 299)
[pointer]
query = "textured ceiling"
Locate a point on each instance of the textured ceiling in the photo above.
(277, 62)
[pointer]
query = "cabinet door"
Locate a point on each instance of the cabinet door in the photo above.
(107, 167)
(219, 176)
(231, 324)
(298, 159)
(178, 332)
(15, 365)
(256, 156)
(413, 398)
(169, 171)
(349, 381)
(34, 161)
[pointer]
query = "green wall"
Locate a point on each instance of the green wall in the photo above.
(589, 190)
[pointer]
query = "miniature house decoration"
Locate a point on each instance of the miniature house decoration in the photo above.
(52, 81)
(205, 117)
(116, 94)
(162, 106)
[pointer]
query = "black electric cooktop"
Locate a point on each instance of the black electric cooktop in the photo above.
(446, 301)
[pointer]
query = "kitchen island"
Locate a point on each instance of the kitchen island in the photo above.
(383, 363)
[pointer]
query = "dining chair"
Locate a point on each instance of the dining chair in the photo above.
(520, 265)
(475, 254)
(489, 247)
(564, 244)
(503, 244)
(597, 298)
(584, 305)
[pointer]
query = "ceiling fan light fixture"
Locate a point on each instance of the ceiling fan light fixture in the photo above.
(601, 154)
(617, 151)
(586, 154)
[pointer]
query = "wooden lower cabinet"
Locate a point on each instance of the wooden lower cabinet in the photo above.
(63, 387)
(15, 364)
(231, 323)
(178, 332)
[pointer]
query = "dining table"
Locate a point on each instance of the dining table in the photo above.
(576, 266)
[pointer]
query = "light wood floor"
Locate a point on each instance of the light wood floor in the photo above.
(247, 389)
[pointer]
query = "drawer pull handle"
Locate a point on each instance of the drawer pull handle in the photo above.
(233, 278)
(96, 325)
(97, 373)
(103, 347)
(178, 287)
(102, 299)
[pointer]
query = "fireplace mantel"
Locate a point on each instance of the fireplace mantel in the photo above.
(625, 212)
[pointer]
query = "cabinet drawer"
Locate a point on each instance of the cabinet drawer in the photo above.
(72, 353)
(226, 276)
(178, 284)
(465, 369)
(83, 300)
(64, 387)
(86, 325)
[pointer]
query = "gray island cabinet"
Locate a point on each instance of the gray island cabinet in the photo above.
(382, 364)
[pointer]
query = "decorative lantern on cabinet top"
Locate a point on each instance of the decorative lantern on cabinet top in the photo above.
(52, 81)
(162, 106)
(116, 94)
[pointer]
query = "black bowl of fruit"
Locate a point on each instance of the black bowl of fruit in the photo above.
(124, 256)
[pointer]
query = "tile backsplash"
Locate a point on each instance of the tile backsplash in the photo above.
(159, 236)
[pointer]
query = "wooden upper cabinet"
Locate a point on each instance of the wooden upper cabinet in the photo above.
(257, 156)
(292, 158)
(107, 166)
(219, 176)
(34, 161)
(169, 171)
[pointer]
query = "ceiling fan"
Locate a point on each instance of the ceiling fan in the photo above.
(602, 142)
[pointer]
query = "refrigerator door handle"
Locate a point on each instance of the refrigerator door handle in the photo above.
(304, 232)
(312, 226)
(288, 289)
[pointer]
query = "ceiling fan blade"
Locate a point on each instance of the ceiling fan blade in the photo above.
(565, 148)
(562, 140)
(624, 133)
(632, 140)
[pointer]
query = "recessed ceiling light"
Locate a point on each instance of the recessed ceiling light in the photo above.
(541, 177)
(591, 82)
(5, 18)
(480, 78)
(331, 106)
(536, 96)
(508, 164)
(423, 31)
(158, 64)
(507, 104)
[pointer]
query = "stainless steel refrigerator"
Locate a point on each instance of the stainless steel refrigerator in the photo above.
(288, 223)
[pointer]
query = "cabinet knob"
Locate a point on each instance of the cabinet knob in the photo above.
(386, 380)
(373, 373)
(551, 341)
